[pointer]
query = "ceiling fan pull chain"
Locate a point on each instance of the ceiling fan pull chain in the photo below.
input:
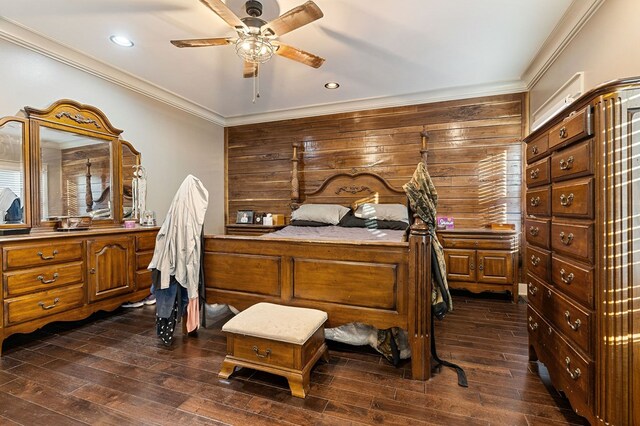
(258, 82)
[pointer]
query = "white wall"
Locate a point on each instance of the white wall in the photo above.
(605, 49)
(173, 143)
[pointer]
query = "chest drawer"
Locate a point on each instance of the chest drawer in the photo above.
(538, 294)
(538, 262)
(537, 232)
(38, 279)
(573, 279)
(573, 239)
(41, 254)
(280, 354)
(572, 162)
(576, 126)
(573, 199)
(573, 321)
(42, 304)
(537, 148)
(539, 201)
(538, 173)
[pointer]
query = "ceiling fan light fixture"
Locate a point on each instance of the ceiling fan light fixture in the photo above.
(254, 48)
(121, 41)
(332, 85)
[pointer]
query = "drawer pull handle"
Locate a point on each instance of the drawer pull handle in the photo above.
(534, 173)
(43, 257)
(534, 149)
(549, 294)
(569, 277)
(481, 266)
(535, 201)
(566, 164)
(550, 331)
(566, 200)
(574, 325)
(563, 132)
(534, 231)
(43, 281)
(472, 266)
(46, 307)
(266, 354)
(573, 374)
(532, 289)
(533, 326)
(566, 239)
(535, 260)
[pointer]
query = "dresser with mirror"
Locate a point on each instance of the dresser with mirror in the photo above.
(65, 190)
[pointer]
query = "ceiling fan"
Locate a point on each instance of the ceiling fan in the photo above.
(257, 39)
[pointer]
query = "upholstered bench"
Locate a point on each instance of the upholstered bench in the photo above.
(277, 339)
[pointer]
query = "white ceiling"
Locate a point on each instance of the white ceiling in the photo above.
(381, 52)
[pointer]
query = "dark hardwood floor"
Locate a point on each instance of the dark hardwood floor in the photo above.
(112, 369)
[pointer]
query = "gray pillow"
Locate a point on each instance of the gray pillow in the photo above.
(325, 213)
(396, 212)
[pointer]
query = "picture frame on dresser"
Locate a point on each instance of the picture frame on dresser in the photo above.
(244, 217)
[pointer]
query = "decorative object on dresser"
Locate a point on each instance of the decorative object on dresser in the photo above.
(482, 259)
(244, 217)
(582, 244)
(49, 276)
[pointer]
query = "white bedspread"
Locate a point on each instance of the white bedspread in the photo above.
(338, 233)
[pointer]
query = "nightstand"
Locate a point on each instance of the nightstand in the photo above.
(250, 229)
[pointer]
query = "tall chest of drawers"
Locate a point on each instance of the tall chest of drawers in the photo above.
(582, 252)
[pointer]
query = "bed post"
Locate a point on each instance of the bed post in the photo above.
(419, 316)
(295, 183)
(423, 150)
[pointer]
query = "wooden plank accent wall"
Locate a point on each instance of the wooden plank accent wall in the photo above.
(475, 155)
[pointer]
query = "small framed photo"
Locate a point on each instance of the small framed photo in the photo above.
(244, 216)
(257, 218)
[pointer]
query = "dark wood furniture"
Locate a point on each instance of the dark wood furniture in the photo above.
(582, 243)
(481, 259)
(250, 229)
(382, 284)
(49, 275)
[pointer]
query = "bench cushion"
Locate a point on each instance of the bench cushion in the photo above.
(277, 322)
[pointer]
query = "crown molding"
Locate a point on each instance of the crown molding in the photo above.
(24, 37)
(448, 94)
(575, 17)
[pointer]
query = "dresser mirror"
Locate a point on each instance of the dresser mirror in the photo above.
(130, 158)
(14, 169)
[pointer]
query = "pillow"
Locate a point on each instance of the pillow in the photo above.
(397, 212)
(351, 221)
(307, 223)
(325, 213)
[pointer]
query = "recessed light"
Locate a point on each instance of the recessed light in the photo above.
(332, 85)
(121, 41)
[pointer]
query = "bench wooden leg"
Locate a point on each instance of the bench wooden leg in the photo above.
(299, 384)
(227, 369)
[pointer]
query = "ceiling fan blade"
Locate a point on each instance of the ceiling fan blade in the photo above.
(221, 9)
(295, 18)
(296, 54)
(250, 69)
(203, 42)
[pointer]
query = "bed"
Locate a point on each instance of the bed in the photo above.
(384, 284)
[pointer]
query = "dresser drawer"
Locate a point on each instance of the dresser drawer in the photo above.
(143, 260)
(573, 199)
(280, 354)
(573, 239)
(538, 173)
(143, 279)
(537, 232)
(39, 279)
(145, 242)
(538, 201)
(538, 262)
(537, 148)
(538, 294)
(573, 279)
(573, 162)
(40, 254)
(573, 321)
(43, 304)
(576, 126)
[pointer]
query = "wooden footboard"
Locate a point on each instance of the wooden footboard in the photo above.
(382, 284)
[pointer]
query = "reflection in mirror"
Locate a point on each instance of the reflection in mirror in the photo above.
(75, 175)
(130, 159)
(11, 173)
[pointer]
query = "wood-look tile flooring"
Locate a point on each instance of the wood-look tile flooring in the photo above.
(112, 369)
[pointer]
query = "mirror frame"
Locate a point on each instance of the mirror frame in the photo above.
(26, 180)
(70, 116)
(138, 157)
